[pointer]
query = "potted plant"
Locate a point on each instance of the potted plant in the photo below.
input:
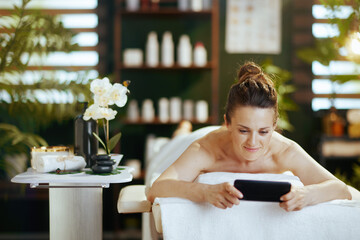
(21, 112)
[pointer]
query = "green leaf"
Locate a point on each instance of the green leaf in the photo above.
(113, 141)
(101, 141)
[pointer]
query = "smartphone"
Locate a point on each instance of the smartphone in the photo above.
(258, 190)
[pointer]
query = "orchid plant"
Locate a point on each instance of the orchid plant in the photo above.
(105, 95)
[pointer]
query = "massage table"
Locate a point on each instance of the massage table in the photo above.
(177, 218)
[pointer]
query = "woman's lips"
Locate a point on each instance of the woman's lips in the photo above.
(251, 149)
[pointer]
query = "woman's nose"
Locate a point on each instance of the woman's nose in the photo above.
(252, 139)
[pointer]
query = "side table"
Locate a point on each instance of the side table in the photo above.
(75, 200)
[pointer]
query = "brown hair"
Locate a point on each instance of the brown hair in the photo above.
(253, 88)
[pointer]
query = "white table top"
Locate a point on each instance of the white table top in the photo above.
(78, 179)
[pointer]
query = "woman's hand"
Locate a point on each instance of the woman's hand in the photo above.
(295, 200)
(223, 195)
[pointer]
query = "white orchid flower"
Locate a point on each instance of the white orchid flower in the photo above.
(92, 112)
(118, 94)
(107, 113)
(100, 87)
(103, 100)
(106, 94)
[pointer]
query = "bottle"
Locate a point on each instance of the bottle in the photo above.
(202, 113)
(133, 111)
(167, 50)
(183, 5)
(207, 4)
(200, 55)
(132, 5)
(175, 109)
(333, 123)
(86, 145)
(148, 111)
(184, 51)
(163, 110)
(196, 5)
(188, 108)
(152, 50)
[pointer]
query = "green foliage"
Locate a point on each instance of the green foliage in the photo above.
(328, 49)
(284, 89)
(324, 51)
(113, 141)
(29, 36)
(33, 33)
(353, 181)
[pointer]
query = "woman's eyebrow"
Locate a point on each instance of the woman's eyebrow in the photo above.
(263, 128)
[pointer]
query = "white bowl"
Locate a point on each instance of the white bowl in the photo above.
(117, 158)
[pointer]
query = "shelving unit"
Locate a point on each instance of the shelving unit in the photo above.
(161, 16)
(337, 153)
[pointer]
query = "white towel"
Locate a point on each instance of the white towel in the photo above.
(183, 219)
(221, 177)
(49, 163)
(172, 151)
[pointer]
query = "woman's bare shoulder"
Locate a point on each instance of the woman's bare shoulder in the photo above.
(212, 140)
(282, 146)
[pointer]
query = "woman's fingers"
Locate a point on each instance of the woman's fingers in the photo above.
(231, 195)
(233, 190)
(224, 195)
(294, 200)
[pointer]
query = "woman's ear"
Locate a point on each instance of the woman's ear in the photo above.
(275, 124)
(225, 121)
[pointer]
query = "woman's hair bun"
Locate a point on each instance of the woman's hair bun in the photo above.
(252, 71)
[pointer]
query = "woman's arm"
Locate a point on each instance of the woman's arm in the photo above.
(320, 184)
(178, 181)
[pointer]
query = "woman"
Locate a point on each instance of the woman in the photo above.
(248, 143)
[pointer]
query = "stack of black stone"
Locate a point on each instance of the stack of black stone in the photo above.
(103, 163)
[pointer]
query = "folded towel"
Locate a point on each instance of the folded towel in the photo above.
(221, 177)
(49, 163)
(184, 219)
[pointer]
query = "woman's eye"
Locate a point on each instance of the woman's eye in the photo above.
(243, 131)
(263, 132)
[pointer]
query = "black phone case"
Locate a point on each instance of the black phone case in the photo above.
(257, 190)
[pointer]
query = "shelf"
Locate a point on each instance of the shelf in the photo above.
(157, 122)
(164, 11)
(175, 67)
(168, 9)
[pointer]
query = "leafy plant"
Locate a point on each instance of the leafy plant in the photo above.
(28, 36)
(105, 95)
(284, 89)
(325, 50)
(354, 180)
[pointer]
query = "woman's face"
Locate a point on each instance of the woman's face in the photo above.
(251, 129)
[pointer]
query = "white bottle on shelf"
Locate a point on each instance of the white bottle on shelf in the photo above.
(167, 50)
(163, 110)
(183, 5)
(202, 111)
(175, 109)
(147, 111)
(188, 110)
(132, 5)
(184, 51)
(200, 55)
(133, 111)
(152, 50)
(197, 5)
(207, 4)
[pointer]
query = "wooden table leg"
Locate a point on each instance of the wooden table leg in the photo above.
(75, 213)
